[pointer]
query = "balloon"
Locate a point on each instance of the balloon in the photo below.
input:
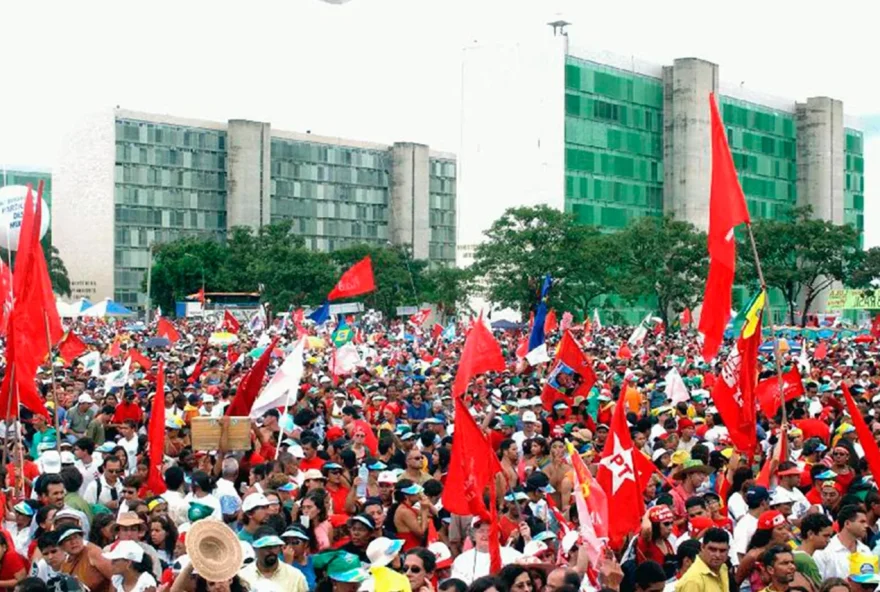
(11, 211)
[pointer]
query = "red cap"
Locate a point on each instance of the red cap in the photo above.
(699, 524)
(660, 514)
(685, 422)
(334, 433)
(770, 519)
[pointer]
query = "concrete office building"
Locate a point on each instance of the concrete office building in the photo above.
(129, 180)
(611, 138)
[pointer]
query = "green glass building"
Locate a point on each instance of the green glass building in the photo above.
(138, 179)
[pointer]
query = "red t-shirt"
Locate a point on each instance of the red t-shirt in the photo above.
(126, 411)
(11, 565)
(338, 496)
(315, 463)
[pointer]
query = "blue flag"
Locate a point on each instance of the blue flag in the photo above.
(449, 332)
(536, 339)
(321, 314)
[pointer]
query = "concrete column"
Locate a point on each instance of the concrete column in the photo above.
(820, 157)
(248, 173)
(409, 222)
(687, 160)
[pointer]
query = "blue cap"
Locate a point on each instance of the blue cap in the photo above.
(106, 447)
(229, 504)
(287, 487)
(826, 475)
(377, 465)
(413, 489)
(268, 541)
(755, 495)
(24, 508)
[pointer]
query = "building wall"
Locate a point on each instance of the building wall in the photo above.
(854, 172)
(83, 215)
(442, 209)
(820, 158)
(409, 198)
(613, 144)
(249, 177)
(170, 181)
(336, 195)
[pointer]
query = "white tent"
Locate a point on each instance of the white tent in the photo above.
(64, 310)
(78, 306)
(107, 308)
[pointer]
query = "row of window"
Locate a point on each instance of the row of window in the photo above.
(607, 216)
(600, 135)
(329, 191)
(441, 202)
(765, 166)
(631, 116)
(750, 117)
(631, 194)
(740, 139)
(170, 198)
(768, 189)
(853, 201)
(855, 142)
(170, 157)
(171, 135)
(152, 175)
(444, 234)
(613, 165)
(441, 185)
(441, 218)
(332, 174)
(332, 155)
(201, 220)
(761, 209)
(292, 208)
(854, 163)
(613, 83)
(441, 252)
(441, 168)
(855, 182)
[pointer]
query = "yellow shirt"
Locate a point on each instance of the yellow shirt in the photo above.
(286, 578)
(699, 578)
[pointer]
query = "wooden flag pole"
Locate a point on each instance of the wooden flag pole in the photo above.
(6, 417)
(52, 384)
(776, 352)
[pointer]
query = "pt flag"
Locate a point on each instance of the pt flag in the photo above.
(71, 347)
(592, 506)
(143, 361)
(200, 295)
(619, 480)
(165, 329)
(727, 210)
(570, 376)
(357, 280)
(156, 433)
(734, 391)
(230, 323)
(866, 438)
(767, 391)
(481, 354)
(250, 385)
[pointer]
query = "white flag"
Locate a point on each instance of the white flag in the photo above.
(538, 355)
(119, 378)
(676, 390)
(638, 336)
(92, 363)
(346, 359)
(804, 359)
(281, 390)
(596, 322)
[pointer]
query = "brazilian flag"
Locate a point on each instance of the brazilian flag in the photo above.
(746, 321)
(342, 335)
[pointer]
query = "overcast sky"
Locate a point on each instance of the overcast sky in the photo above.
(389, 70)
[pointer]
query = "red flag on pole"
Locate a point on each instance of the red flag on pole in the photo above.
(778, 454)
(138, 358)
(357, 280)
(821, 351)
(200, 295)
(686, 319)
(619, 480)
(230, 323)
(71, 347)
(5, 296)
(734, 391)
(727, 209)
(767, 391)
(165, 329)
(550, 322)
(115, 347)
(197, 368)
(865, 437)
(481, 354)
(156, 432)
(420, 317)
(250, 385)
(41, 275)
(570, 376)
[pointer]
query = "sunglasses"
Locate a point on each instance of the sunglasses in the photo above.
(113, 471)
(334, 472)
(667, 524)
(412, 569)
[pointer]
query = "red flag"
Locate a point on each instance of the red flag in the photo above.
(659, 328)
(230, 323)
(5, 296)
(779, 453)
(139, 358)
(41, 275)
(727, 209)
(686, 319)
(734, 391)
(592, 505)
(481, 353)
(156, 436)
(619, 480)
(436, 331)
(420, 317)
(523, 347)
(821, 351)
(767, 391)
(624, 352)
(200, 295)
(71, 347)
(354, 282)
(570, 376)
(165, 329)
(550, 322)
(875, 326)
(865, 437)
(250, 385)
(197, 368)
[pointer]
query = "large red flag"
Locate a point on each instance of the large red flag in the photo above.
(5, 296)
(778, 454)
(619, 479)
(230, 323)
(71, 347)
(570, 376)
(115, 347)
(156, 433)
(727, 209)
(250, 385)
(51, 318)
(767, 391)
(472, 467)
(137, 357)
(866, 438)
(165, 329)
(357, 280)
(734, 391)
(197, 368)
(875, 326)
(481, 354)
(550, 322)
(821, 351)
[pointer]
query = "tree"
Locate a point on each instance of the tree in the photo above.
(447, 287)
(800, 256)
(525, 244)
(866, 271)
(663, 258)
(57, 271)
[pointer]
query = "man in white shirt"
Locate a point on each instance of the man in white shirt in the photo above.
(107, 490)
(788, 477)
(531, 425)
(758, 501)
(833, 560)
(208, 408)
(474, 563)
(225, 485)
(88, 466)
(129, 441)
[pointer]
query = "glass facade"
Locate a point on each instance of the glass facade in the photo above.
(854, 171)
(764, 148)
(16, 177)
(170, 182)
(336, 195)
(613, 144)
(441, 245)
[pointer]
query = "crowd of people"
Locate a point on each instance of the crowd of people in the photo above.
(344, 490)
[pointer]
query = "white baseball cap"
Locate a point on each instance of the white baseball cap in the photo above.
(208, 398)
(50, 462)
(254, 500)
(387, 477)
(529, 417)
(126, 550)
(85, 398)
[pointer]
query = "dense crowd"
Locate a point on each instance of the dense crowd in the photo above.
(344, 490)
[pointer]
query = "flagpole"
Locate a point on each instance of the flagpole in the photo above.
(776, 359)
(6, 418)
(52, 383)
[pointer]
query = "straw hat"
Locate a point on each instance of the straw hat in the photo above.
(214, 550)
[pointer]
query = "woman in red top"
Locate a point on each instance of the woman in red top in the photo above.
(654, 540)
(13, 567)
(411, 524)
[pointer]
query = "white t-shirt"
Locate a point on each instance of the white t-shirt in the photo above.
(131, 450)
(736, 506)
(40, 569)
(144, 582)
(742, 534)
(89, 473)
(473, 564)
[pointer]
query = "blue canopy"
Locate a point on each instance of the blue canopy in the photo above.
(107, 308)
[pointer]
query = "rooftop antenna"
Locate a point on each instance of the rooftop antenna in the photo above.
(559, 27)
